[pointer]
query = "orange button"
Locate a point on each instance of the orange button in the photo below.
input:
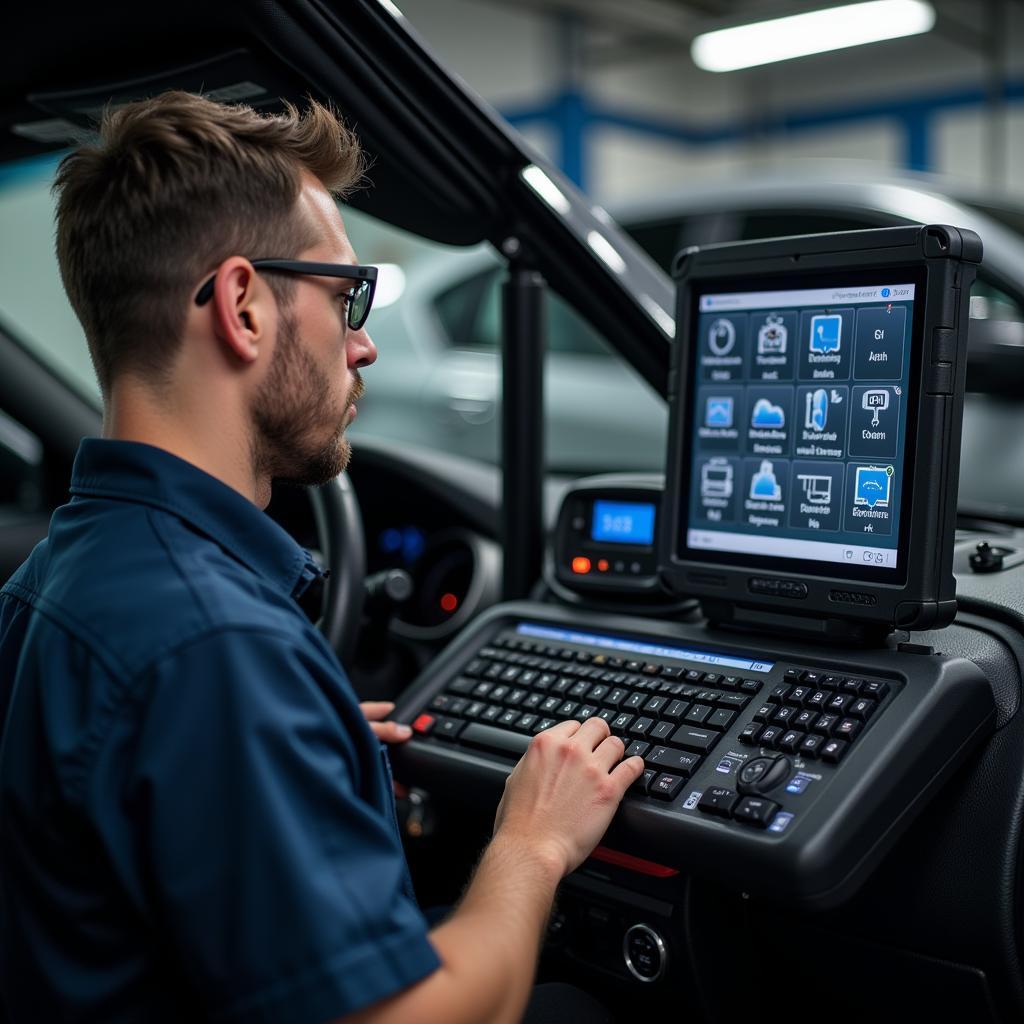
(603, 565)
(581, 564)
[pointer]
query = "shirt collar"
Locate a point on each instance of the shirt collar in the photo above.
(142, 473)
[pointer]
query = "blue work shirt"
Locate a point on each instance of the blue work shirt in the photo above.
(196, 821)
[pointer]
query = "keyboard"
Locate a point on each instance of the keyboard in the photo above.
(749, 753)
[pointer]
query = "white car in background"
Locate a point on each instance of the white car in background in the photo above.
(437, 381)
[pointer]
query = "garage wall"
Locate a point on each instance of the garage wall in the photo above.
(653, 121)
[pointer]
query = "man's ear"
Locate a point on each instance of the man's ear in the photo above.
(238, 320)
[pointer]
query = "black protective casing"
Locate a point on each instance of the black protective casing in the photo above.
(948, 258)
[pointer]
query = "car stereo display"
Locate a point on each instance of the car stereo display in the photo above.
(799, 424)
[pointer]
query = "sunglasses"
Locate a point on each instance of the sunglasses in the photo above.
(359, 299)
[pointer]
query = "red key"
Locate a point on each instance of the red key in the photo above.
(423, 724)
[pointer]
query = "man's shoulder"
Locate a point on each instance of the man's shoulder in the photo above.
(131, 581)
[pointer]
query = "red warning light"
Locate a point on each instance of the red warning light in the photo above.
(449, 602)
(581, 564)
(602, 565)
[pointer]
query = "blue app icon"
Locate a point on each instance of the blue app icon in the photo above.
(816, 410)
(767, 416)
(763, 485)
(718, 411)
(826, 333)
(871, 487)
(885, 293)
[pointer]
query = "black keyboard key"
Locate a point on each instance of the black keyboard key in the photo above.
(475, 667)
(698, 714)
(811, 745)
(862, 708)
(784, 715)
(526, 722)
(475, 709)
(615, 697)
(532, 701)
(634, 666)
(634, 701)
(874, 689)
(511, 674)
(675, 709)
(818, 699)
(838, 703)
(584, 657)
(661, 731)
(463, 685)
(848, 729)
(813, 678)
(711, 678)
(666, 787)
(579, 689)
(765, 712)
(833, 750)
(853, 686)
(503, 741)
(608, 714)
(678, 762)
(750, 733)
(516, 697)
(441, 702)
(654, 705)
(597, 693)
(700, 741)
(482, 689)
(621, 723)
(730, 682)
(798, 694)
(721, 719)
(804, 720)
(567, 709)
(693, 676)
(550, 705)
(562, 685)
(780, 693)
(770, 736)
(825, 724)
(499, 692)
(650, 669)
(643, 783)
(585, 712)
(458, 705)
(641, 727)
(637, 749)
(671, 672)
(792, 675)
(544, 681)
(528, 677)
(790, 740)
(494, 672)
(449, 728)
(544, 723)
(756, 811)
(732, 701)
(718, 801)
(751, 686)
(508, 718)
(491, 712)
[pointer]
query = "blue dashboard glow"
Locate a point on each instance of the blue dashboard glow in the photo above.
(614, 643)
(623, 522)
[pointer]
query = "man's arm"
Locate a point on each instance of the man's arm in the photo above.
(558, 802)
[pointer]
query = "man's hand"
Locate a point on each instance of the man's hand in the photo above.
(376, 711)
(562, 795)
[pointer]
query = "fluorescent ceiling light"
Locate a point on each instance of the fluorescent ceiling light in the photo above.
(835, 28)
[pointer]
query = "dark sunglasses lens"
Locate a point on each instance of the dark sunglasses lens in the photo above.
(359, 305)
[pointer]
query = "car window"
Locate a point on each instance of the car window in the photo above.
(21, 470)
(777, 223)
(471, 315)
(33, 307)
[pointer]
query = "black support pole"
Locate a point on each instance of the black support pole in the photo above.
(522, 427)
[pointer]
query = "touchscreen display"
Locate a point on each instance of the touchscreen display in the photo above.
(799, 422)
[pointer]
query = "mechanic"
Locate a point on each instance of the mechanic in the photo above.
(196, 816)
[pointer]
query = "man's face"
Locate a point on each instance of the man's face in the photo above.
(307, 397)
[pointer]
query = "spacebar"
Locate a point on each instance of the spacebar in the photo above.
(495, 739)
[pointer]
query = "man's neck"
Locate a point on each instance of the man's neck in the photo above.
(209, 435)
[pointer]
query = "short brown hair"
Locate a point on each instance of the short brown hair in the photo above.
(174, 186)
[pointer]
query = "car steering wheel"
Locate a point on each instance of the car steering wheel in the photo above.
(339, 528)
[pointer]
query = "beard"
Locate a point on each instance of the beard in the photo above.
(288, 424)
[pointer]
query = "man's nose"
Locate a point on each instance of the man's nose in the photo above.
(361, 349)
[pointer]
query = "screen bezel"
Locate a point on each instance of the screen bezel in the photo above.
(852, 277)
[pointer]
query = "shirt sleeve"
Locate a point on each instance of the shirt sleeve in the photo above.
(261, 844)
